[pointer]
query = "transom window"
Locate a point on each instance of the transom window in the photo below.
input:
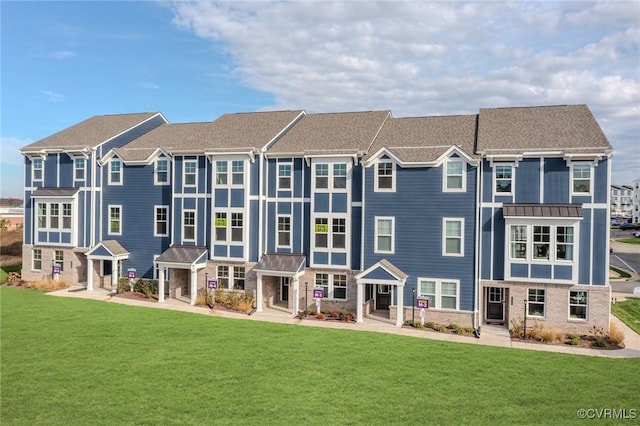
(79, 166)
(536, 302)
(441, 293)
(504, 179)
(454, 175)
(115, 220)
(453, 241)
(162, 171)
(578, 305)
(581, 178)
(384, 235)
(334, 286)
(37, 166)
(385, 176)
(189, 225)
(190, 167)
(284, 176)
(115, 172)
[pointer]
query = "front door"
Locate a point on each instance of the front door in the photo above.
(284, 289)
(495, 304)
(383, 296)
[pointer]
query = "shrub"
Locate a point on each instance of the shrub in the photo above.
(320, 316)
(49, 284)
(574, 340)
(616, 337)
(146, 287)
(549, 335)
(440, 328)
(431, 325)
(517, 326)
(418, 325)
(123, 285)
(599, 343)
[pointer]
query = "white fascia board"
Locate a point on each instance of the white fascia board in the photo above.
(283, 131)
(379, 154)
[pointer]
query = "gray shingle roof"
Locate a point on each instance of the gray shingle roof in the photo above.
(281, 262)
(331, 133)
(229, 133)
(424, 139)
(90, 132)
(571, 128)
(181, 254)
(114, 247)
(54, 192)
(542, 210)
(393, 269)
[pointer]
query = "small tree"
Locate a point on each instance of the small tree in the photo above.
(4, 224)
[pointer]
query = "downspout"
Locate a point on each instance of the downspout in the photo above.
(93, 216)
(261, 174)
(476, 313)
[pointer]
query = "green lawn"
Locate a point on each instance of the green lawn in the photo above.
(628, 312)
(73, 361)
(5, 270)
(633, 240)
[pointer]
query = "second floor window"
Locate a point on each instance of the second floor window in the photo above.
(221, 226)
(581, 179)
(79, 166)
(284, 231)
(503, 179)
(454, 179)
(385, 176)
(37, 166)
(115, 220)
(284, 176)
(236, 226)
(453, 244)
(162, 171)
(237, 172)
(190, 167)
(541, 242)
(321, 231)
(189, 225)
(339, 233)
(384, 235)
(115, 172)
(54, 216)
(162, 223)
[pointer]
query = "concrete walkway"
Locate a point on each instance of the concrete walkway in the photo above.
(490, 335)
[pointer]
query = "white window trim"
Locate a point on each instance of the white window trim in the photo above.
(330, 217)
(76, 168)
(110, 174)
(571, 178)
(445, 174)
(33, 259)
(393, 234)
(195, 225)
(229, 228)
(230, 172)
(544, 304)
(284, 163)
(330, 175)
(33, 170)
(586, 318)
(393, 176)
(231, 270)
(184, 174)
(155, 220)
(438, 295)
(114, 206)
(331, 286)
(444, 236)
(277, 242)
(495, 180)
(156, 171)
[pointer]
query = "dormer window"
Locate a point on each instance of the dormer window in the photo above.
(162, 171)
(385, 176)
(454, 175)
(115, 172)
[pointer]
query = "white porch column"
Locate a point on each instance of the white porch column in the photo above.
(360, 302)
(89, 275)
(296, 295)
(194, 285)
(115, 274)
(160, 284)
(259, 293)
(400, 306)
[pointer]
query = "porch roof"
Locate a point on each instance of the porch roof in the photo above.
(280, 263)
(183, 255)
(382, 271)
(108, 248)
(542, 210)
(54, 192)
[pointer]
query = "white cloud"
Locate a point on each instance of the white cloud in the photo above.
(148, 85)
(421, 58)
(63, 54)
(53, 96)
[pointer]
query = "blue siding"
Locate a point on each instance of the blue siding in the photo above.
(221, 197)
(600, 184)
(338, 259)
(356, 183)
(339, 202)
(253, 231)
(254, 177)
(51, 170)
(562, 272)
(356, 237)
(528, 181)
(556, 180)
(298, 170)
(499, 246)
(600, 236)
(236, 252)
(487, 250)
(519, 270)
(379, 274)
(541, 271)
(237, 198)
(584, 249)
(66, 171)
(487, 181)
(321, 202)
(284, 208)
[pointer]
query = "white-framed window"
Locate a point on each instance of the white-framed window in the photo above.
(330, 233)
(452, 237)
(79, 168)
(54, 216)
(330, 176)
(237, 229)
(42, 215)
(385, 176)
(454, 175)
(284, 176)
(321, 232)
(536, 302)
(190, 172)
(340, 176)
(115, 172)
(581, 178)
(161, 171)
(221, 226)
(161, 218)
(334, 286)
(322, 176)
(66, 216)
(36, 264)
(37, 170)
(384, 234)
(189, 225)
(284, 231)
(442, 293)
(238, 278)
(115, 220)
(223, 277)
(237, 172)
(537, 242)
(503, 179)
(578, 303)
(339, 233)
(221, 172)
(58, 258)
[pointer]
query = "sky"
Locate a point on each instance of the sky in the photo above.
(63, 62)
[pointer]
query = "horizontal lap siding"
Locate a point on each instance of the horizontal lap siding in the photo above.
(556, 181)
(419, 206)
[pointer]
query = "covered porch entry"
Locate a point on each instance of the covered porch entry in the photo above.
(278, 279)
(189, 258)
(378, 286)
(105, 261)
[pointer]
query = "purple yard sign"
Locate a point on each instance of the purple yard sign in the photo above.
(318, 293)
(212, 284)
(131, 274)
(423, 303)
(56, 269)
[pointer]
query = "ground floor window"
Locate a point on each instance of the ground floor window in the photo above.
(58, 257)
(535, 302)
(238, 278)
(37, 260)
(334, 286)
(231, 277)
(578, 305)
(442, 294)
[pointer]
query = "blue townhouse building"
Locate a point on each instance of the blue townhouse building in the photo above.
(486, 218)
